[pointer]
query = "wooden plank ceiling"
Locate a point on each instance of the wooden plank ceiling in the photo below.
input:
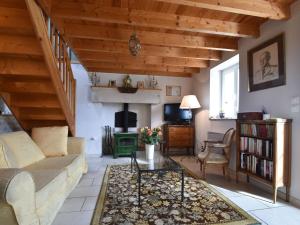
(178, 37)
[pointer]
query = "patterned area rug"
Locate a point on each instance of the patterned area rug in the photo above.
(160, 201)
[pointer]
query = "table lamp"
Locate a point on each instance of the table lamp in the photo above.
(189, 102)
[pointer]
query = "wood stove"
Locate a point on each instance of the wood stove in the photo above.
(125, 142)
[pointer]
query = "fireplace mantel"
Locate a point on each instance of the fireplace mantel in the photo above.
(112, 95)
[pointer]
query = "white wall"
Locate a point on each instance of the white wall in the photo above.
(92, 117)
(202, 122)
(277, 100)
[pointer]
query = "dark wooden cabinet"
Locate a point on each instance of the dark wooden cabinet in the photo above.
(181, 137)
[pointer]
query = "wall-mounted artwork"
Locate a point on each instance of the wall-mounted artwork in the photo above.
(266, 64)
(173, 91)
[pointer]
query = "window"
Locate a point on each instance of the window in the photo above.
(224, 89)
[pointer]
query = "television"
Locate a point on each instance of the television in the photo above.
(174, 115)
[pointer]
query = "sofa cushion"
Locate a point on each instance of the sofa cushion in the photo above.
(50, 175)
(20, 150)
(70, 163)
(51, 140)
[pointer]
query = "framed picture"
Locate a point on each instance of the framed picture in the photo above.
(173, 90)
(266, 64)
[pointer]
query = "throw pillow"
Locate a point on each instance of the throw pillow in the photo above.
(51, 140)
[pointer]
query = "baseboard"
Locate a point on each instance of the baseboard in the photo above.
(281, 193)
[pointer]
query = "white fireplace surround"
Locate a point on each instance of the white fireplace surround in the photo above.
(112, 95)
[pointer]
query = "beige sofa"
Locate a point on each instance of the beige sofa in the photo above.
(32, 186)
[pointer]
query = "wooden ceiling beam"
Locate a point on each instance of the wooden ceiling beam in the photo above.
(138, 72)
(90, 12)
(138, 66)
(147, 50)
(72, 30)
(151, 60)
(259, 8)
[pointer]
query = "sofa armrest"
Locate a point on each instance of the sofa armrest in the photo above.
(76, 145)
(17, 197)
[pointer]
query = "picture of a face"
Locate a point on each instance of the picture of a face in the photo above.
(265, 64)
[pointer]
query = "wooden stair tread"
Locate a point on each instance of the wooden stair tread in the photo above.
(26, 81)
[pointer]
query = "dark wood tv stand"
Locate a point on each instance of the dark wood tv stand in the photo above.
(181, 137)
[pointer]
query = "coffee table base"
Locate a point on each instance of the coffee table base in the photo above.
(139, 178)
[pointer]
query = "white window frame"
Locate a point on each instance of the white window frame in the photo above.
(216, 91)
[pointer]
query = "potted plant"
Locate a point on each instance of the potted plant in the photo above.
(222, 114)
(150, 137)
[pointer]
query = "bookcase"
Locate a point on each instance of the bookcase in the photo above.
(264, 152)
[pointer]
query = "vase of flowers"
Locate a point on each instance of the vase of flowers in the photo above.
(150, 137)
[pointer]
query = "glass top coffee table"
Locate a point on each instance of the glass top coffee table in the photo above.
(160, 164)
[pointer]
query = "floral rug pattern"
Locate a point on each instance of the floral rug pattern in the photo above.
(160, 201)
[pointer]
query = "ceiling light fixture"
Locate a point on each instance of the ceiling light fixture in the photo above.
(134, 44)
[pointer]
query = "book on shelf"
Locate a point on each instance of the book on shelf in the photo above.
(257, 130)
(259, 147)
(258, 166)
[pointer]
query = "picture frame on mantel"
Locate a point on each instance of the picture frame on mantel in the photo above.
(266, 64)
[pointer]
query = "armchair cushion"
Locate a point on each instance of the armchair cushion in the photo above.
(218, 145)
(19, 150)
(51, 140)
(215, 158)
(212, 158)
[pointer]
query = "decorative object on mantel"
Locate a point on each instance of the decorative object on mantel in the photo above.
(266, 64)
(173, 91)
(153, 83)
(127, 82)
(128, 90)
(134, 44)
(150, 137)
(112, 83)
(94, 78)
(127, 86)
(140, 85)
(189, 102)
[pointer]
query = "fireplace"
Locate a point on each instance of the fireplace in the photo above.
(125, 119)
(125, 142)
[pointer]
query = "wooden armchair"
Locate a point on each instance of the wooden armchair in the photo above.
(222, 157)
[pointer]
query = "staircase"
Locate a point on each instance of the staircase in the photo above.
(36, 79)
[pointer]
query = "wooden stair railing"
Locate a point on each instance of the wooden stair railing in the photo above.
(56, 57)
(60, 50)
